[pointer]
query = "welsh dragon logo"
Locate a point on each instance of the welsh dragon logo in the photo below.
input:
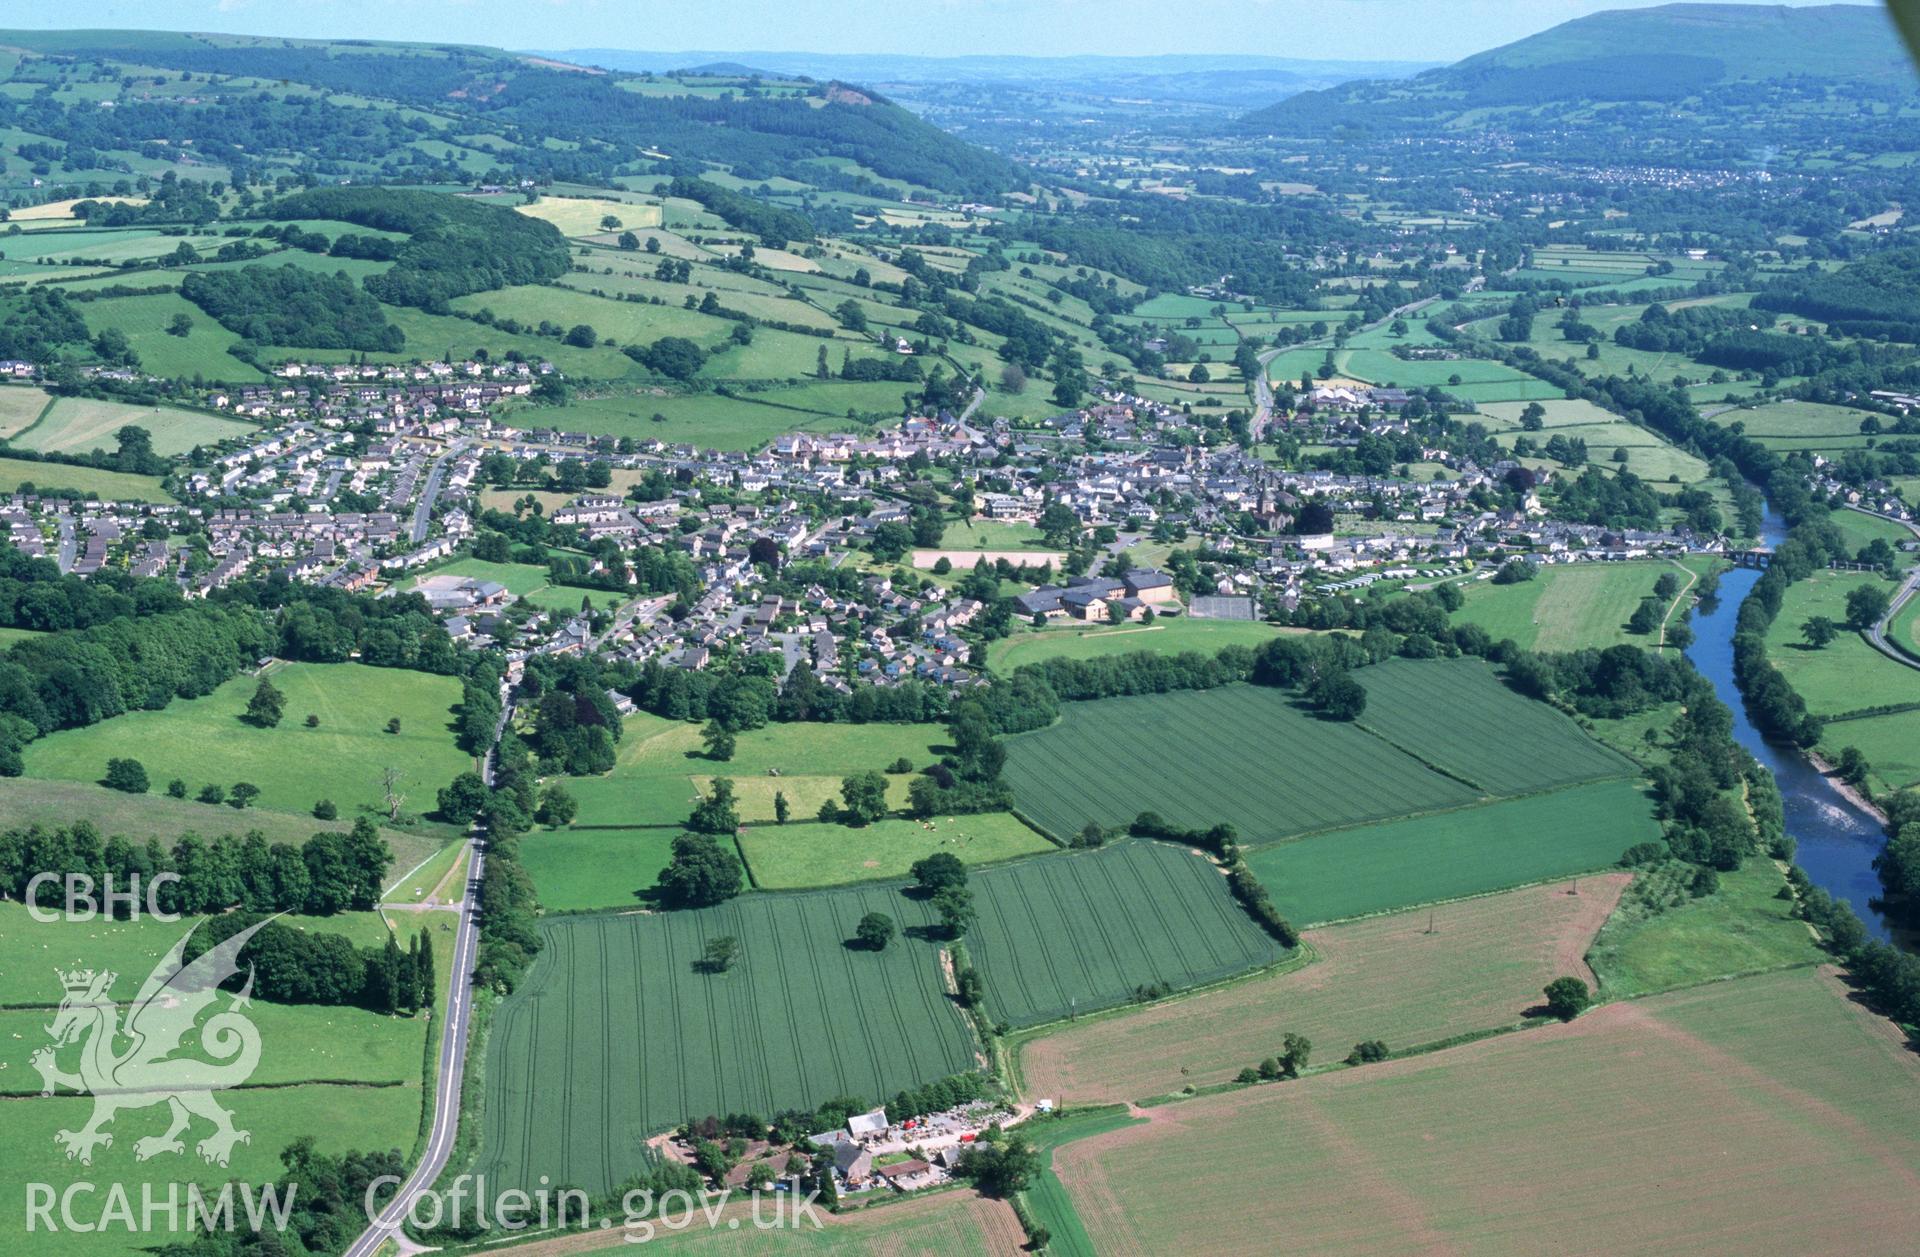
(155, 1066)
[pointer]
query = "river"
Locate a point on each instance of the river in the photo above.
(1835, 840)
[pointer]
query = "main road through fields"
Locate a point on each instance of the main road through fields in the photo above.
(454, 1033)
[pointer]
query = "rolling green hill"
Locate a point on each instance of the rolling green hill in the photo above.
(424, 112)
(1667, 53)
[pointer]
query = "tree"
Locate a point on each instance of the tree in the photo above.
(1645, 618)
(1865, 605)
(326, 810)
(180, 325)
(212, 793)
(719, 740)
(875, 931)
(1513, 571)
(700, 874)
(954, 906)
(461, 799)
(557, 806)
(313, 721)
(128, 775)
(1567, 998)
(393, 725)
(716, 814)
(781, 808)
(720, 954)
(1294, 1051)
(265, 707)
(1001, 1165)
(1819, 632)
(1367, 1051)
(630, 241)
(939, 871)
(1337, 696)
(176, 789)
(242, 794)
(866, 798)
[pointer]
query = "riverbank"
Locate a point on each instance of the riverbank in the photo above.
(1844, 789)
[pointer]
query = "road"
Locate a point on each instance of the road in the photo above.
(1877, 635)
(69, 545)
(423, 513)
(979, 395)
(455, 1030)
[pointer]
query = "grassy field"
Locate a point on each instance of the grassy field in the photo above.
(204, 740)
(1743, 927)
(662, 763)
(1249, 756)
(1408, 979)
(78, 425)
(1096, 642)
(1649, 455)
(1243, 754)
(595, 868)
(143, 320)
(1763, 1115)
(615, 1034)
(1847, 674)
(796, 855)
(1470, 851)
(580, 216)
(20, 405)
(123, 486)
(139, 817)
(526, 582)
(1076, 933)
(349, 1078)
(1570, 606)
(1455, 714)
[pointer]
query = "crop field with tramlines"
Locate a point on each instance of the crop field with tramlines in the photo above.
(1068, 934)
(1250, 756)
(1243, 754)
(1446, 855)
(618, 1032)
(1456, 715)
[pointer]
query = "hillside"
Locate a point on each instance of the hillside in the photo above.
(255, 106)
(1668, 53)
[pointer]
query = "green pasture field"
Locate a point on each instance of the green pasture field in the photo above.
(1166, 635)
(1074, 933)
(19, 407)
(577, 869)
(1649, 455)
(1743, 927)
(1788, 421)
(78, 425)
(629, 322)
(1570, 606)
(580, 216)
(805, 854)
(109, 486)
(1862, 529)
(1847, 674)
(616, 1034)
(1244, 754)
(1467, 851)
(204, 740)
(1891, 743)
(654, 776)
(339, 1120)
(991, 534)
(452, 338)
(143, 321)
(703, 419)
(8, 636)
(138, 817)
(1455, 714)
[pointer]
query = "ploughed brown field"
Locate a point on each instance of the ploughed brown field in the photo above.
(1767, 1115)
(1383, 978)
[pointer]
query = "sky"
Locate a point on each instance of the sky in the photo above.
(1384, 30)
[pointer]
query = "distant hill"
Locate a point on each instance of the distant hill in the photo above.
(1237, 81)
(1657, 54)
(489, 113)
